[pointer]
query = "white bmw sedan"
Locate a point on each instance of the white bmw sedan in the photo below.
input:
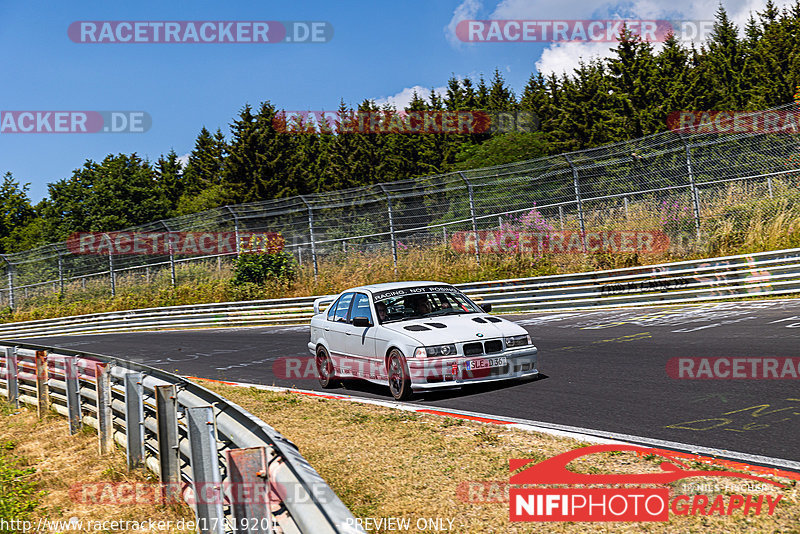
(416, 336)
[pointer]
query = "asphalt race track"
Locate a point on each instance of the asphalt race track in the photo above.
(602, 370)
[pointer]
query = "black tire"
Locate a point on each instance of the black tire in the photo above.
(325, 373)
(398, 376)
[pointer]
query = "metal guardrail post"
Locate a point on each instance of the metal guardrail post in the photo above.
(391, 226)
(168, 450)
(73, 394)
(578, 200)
(12, 384)
(248, 468)
(472, 215)
(311, 234)
(42, 390)
(105, 425)
(134, 422)
(204, 461)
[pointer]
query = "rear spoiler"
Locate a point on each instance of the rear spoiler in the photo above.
(328, 299)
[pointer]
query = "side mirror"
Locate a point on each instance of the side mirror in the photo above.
(361, 322)
(486, 307)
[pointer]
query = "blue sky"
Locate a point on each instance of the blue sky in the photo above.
(380, 50)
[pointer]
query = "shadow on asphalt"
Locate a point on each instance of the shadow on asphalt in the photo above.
(469, 390)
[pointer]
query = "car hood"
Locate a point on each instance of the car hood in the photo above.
(454, 329)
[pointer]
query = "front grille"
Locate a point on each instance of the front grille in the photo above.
(471, 349)
(494, 346)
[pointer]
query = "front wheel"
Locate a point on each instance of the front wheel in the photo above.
(325, 373)
(399, 382)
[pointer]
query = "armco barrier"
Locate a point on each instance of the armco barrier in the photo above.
(203, 447)
(760, 274)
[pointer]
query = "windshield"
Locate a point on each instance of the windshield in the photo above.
(416, 305)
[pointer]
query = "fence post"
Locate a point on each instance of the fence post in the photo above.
(578, 200)
(111, 274)
(391, 226)
(134, 422)
(105, 424)
(472, 216)
(311, 234)
(561, 216)
(12, 384)
(235, 228)
(10, 281)
(206, 478)
(171, 254)
(72, 387)
(248, 468)
(168, 452)
(693, 186)
(61, 274)
(42, 390)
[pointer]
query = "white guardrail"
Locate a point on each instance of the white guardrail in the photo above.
(760, 274)
(238, 473)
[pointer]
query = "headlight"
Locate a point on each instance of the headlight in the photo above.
(518, 341)
(436, 350)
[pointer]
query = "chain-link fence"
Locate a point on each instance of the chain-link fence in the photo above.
(669, 191)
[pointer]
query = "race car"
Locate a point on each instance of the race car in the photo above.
(416, 336)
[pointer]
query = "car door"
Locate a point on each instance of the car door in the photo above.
(336, 328)
(360, 341)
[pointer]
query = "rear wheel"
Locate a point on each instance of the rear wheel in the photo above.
(399, 381)
(325, 372)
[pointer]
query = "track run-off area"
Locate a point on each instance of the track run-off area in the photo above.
(603, 370)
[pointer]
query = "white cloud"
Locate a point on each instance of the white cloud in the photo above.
(467, 10)
(402, 99)
(563, 57)
(184, 160)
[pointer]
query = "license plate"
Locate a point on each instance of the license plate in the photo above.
(485, 363)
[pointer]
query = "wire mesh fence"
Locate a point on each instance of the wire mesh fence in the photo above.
(678, 191)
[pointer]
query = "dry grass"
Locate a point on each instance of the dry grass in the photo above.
(62, 460)
(386, 463)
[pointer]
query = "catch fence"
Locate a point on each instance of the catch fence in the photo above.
(674, 191)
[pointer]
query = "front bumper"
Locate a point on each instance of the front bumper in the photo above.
(432, 373)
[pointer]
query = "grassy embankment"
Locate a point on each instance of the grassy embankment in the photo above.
(736, 220)
(40, 462)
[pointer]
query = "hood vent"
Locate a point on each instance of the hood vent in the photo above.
(493, 319)
(416, 328)
(437, 325)
(478, 320)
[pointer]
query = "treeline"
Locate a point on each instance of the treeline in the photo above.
(602, 101)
